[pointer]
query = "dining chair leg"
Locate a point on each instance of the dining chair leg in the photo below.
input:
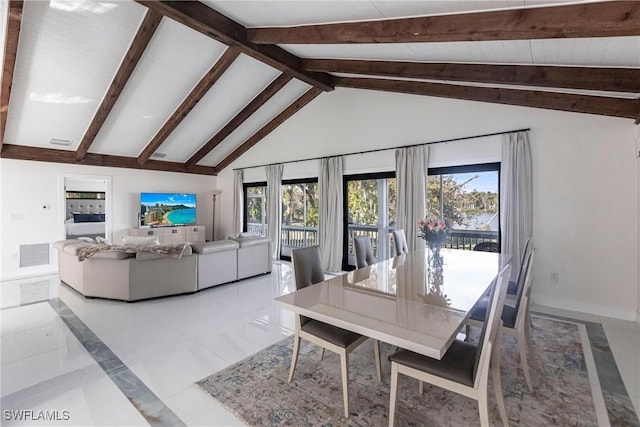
(522, 345)
(497, 380)
(483, 408)
(294, 355)
(393, 395)
(344, 362)
(321, 353)
(528, 333)
(467, 332)
(420, 387)
(376, 352)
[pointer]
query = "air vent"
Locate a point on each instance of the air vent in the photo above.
(32, 255)
(159, 155)
(64, 142)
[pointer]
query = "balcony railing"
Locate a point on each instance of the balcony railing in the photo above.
(299, 237)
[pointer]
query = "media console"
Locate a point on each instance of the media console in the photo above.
(176, 234)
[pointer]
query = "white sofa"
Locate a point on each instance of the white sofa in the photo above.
(132, 277)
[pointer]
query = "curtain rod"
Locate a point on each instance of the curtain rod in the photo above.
(387, 149)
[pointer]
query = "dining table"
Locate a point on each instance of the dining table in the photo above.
(418, 301)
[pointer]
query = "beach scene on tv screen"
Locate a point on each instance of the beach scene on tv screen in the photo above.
(159, 209)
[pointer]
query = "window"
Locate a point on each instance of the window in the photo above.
(255, 208)
(469, 196)
(299, 215)
(370, 206)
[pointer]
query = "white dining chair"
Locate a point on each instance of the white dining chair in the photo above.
(363, 250)
(307, 269)
(464, 369)
(515, 319)
(400, 242)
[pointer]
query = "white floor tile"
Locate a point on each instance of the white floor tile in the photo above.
(169, 373)
(142, 340)
(196, 408)
(24, 318)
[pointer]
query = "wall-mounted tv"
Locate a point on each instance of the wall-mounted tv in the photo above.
(166, 209)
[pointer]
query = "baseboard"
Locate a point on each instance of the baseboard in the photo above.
(28, 275)
(591, 309)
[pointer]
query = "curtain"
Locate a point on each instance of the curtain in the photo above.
(274, 206)
(411, 180)
(516, 204)
(330, 221)
(238, 202)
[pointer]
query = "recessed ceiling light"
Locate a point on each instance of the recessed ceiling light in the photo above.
(64, 142)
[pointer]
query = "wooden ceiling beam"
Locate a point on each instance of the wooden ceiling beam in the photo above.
(208, 21)
(240, 118)
(296, 106)
(37, 154)
(203, 86)
(14, 21)
(600, 19)
(606, 106)
(586, 78)
(143, 37)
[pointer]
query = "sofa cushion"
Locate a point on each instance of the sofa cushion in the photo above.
(139, 240)
(112, 255)
(147, 256)
(216, 246)
(245, 242)
(73, 248)
(62, 243)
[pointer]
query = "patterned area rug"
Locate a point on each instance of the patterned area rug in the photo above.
(257, 392)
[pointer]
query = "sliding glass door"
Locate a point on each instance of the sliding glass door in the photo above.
(255, 208)
(370, 203)
(299, 215)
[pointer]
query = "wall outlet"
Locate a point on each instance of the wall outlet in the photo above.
(555, 277)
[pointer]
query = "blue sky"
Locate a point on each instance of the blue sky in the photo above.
(486, 181)
(168, 199)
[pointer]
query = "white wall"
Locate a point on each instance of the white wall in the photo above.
(586, 180)
(27, 186)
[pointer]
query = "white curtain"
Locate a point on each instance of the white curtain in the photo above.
(238, 202)
(274, 206)
(516, 204)
(411, 180)
(330, 221)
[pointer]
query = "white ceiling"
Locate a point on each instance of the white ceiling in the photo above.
(70, 50)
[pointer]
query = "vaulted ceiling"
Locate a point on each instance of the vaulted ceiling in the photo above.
(190, 86)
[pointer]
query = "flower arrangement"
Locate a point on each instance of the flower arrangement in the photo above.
(434, 232)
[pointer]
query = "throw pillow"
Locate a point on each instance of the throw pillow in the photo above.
(82, 218)
(139, 240)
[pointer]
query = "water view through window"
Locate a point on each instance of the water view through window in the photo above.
(469, 197)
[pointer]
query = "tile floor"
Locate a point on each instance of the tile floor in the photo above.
(167, 344)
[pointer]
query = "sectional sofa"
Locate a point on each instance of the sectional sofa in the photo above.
(135, 276)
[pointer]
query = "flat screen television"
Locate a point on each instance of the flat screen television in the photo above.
(166, 209)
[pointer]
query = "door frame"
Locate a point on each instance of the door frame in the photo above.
(62, 201)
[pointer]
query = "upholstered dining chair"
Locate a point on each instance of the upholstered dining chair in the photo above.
(307, 269)
(364, 252)
(514, 287)
(464, 369)
(515, 320)
(400, 241)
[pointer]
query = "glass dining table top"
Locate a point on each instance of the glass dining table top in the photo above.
(415, 301)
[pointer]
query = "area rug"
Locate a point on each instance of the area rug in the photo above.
(257, 392)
